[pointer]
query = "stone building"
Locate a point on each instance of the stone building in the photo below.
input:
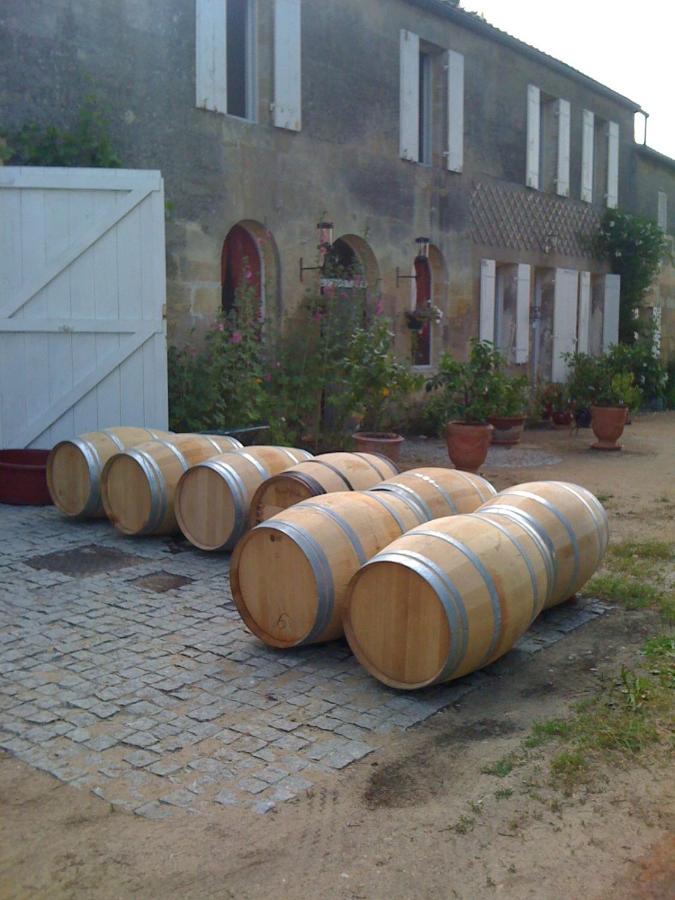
(392, 120)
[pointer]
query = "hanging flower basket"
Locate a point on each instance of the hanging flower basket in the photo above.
(417, 318)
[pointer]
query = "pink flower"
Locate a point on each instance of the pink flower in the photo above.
(220, 327)
(236, 337)
(379, 307)
(344, 295)
(248, 275)
(329, 290)
(268, 377)
(317, 316)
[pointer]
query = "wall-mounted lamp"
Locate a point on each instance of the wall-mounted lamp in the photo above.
(550, 242)
(422, 253)
(325, 230)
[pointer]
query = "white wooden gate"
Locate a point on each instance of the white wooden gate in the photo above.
(82, 296)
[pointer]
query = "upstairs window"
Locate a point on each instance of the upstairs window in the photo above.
(224, 53)
(548, 142)
(424, 109)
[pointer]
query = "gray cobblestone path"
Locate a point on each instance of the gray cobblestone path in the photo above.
(159, 700)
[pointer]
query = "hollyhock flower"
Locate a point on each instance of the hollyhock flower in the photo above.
(236, 337)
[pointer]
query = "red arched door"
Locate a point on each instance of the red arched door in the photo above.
(240, 265)
(422, 346)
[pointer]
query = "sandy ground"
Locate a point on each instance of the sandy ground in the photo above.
(418, 819)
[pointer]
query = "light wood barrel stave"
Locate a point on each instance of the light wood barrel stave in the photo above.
(446, 598)
(213, 498)
(74, 467)
(138, 485)
(440, 491)
(570, 519)
(289, 575)
(324, 474)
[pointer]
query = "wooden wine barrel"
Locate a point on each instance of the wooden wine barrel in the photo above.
(570, 519)
(289, 575)
(138, 485)
(213, 498)
(325, 474)
(447, 598)
(74, 467)
(440, 492)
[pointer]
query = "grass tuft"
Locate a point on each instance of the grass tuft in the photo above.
(502, 767)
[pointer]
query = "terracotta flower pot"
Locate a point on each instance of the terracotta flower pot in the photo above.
(608, 423)
(23, 477)
(468, 444)
(384, 442)
(561, 419)
(507, 429)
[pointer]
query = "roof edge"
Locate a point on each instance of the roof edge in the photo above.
(472, 22)
(656, 155)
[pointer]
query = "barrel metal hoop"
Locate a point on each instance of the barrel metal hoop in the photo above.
(314, 486)
(291, 454)
(155, 435)
(320, 567)
(118, 442)
(364, 457)
(94, 468)
(158, 498)
(477, 485)
(449, 597)
(564, 521)
(603, 539)
(255, 463)
(344, 526)
(536, 605)
(387, 459)
(233, 480)
(485, 575)
(380, 497)
(403, 491)
(537, 530)
(441, 490)
(333, 468)
(176, 452)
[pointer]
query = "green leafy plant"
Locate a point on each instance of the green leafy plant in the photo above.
(635, 248)
(86, 143)
(600, 381)
(478, 388)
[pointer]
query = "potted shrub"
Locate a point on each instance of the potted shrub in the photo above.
(609, 393)
(467, 388)
(509, 397)
(379, 383)
(558, 405)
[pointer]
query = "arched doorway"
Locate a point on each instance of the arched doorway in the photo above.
(422, 288)
(241, 266)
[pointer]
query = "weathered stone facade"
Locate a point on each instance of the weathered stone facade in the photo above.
(343, 165)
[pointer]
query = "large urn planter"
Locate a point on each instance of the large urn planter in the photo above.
(608, 423)
(507, 430)
(468, 444)
(386, 443)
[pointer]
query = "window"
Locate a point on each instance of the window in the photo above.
(424, 116)
(662, 211)
(225, 62)
(548, 142)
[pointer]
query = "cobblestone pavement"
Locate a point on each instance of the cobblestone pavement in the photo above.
(125, 669)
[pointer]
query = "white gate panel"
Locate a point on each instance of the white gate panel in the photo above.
(565, 299)
(82, 294)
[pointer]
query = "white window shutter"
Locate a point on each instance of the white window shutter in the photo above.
(662, 211)
(287, 65)
(488, 271)
(455, 157)
(563, 175)
(610, 315)
(533, 135)
(410, 96)
(613, 165)
(523, 293)
(587, 139)
(211, 54)
(565, 298)
(584, 317)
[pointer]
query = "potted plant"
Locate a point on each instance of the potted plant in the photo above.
(609, 393)
(379, 383)
(417, 318)
(557, 404)
(509, 397)
(468, 390)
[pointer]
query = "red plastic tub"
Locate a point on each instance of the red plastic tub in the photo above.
(23, 477)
